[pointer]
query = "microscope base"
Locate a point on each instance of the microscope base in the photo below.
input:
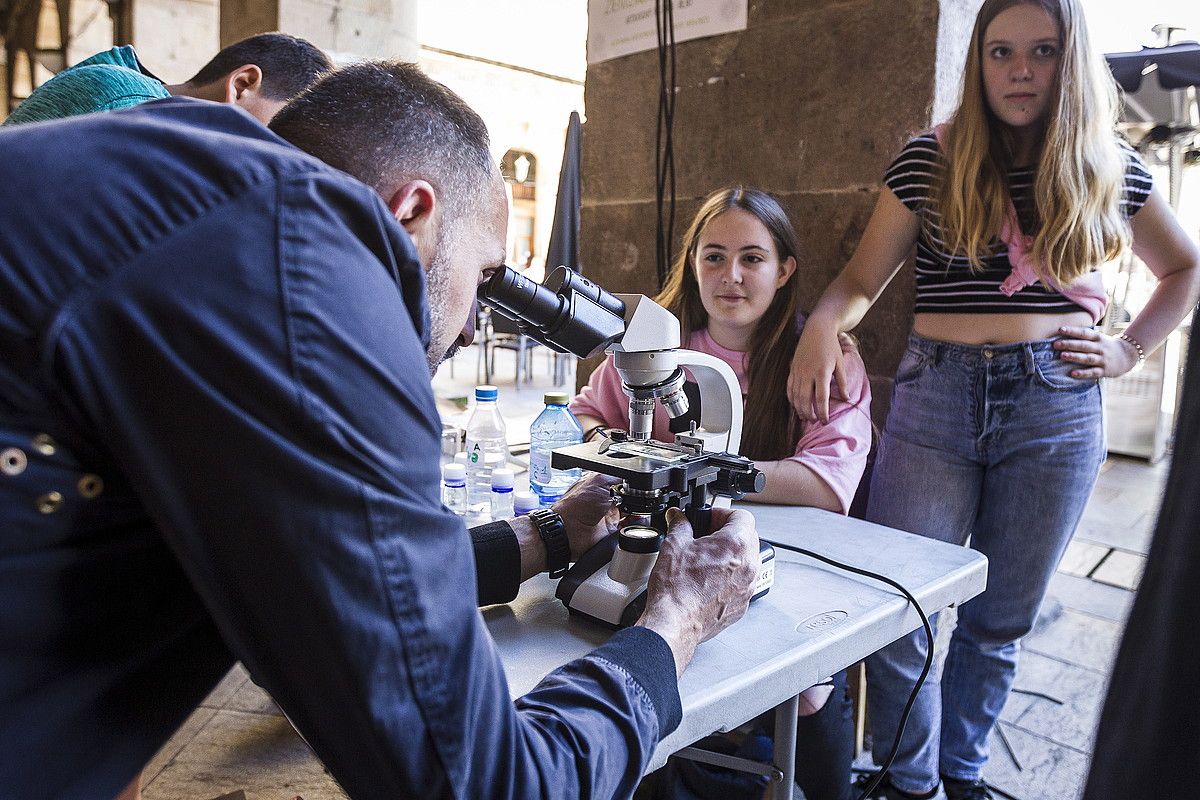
(588, 591)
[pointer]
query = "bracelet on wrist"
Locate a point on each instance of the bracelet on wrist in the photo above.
(1141, 351)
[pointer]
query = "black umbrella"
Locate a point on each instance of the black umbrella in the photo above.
(564, 233)
(1178, 66)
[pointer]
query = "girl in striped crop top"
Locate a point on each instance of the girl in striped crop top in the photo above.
(995, 435)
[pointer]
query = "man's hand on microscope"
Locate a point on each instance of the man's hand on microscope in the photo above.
(701, 586)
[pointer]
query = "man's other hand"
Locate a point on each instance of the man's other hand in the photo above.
(588, 512)
(701, 586)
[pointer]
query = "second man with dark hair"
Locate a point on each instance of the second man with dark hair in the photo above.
(258, 74)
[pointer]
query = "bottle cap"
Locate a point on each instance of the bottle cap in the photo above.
(555, 398)
(454, 472)
(486, 392)
(461, 457)
(524, 502)
(502, 478)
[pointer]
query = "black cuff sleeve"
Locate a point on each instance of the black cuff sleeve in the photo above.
(646, 657)
(497, 562)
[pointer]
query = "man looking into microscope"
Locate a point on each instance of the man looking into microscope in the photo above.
(219, 442)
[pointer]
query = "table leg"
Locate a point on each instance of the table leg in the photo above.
(785, 747)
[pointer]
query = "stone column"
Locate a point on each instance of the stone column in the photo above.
(811, 102)
(358, 28)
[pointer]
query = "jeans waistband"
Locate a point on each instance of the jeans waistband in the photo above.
(1019, 352)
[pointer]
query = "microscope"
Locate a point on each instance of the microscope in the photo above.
(696, 473)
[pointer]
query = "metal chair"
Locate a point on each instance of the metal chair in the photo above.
(504, 334)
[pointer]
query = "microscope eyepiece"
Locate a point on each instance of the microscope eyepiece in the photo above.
(521, 298)
(564, 279)
(569, 313)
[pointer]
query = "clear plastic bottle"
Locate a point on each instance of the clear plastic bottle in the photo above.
(454, 488)
(502, 494)
(555, 427)
(524, 502)
(485, 435)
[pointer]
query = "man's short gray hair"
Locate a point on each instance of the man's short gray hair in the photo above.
(387, 122)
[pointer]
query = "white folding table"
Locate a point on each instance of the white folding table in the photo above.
(816, 621)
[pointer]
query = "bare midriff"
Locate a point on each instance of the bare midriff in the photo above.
(977, 329)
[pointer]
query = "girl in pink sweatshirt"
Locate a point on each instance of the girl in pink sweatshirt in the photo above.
(735, 291)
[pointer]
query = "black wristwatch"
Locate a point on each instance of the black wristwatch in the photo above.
(554, 535)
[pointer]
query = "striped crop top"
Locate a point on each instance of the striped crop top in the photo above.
(945, 282)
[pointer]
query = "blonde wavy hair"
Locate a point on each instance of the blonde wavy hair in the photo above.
(1080, 178)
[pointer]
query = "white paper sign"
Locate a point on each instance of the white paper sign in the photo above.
(620, 27)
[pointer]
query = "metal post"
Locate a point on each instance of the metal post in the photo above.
(784, 756)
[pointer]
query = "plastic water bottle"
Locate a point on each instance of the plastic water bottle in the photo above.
(485, 435)
(555, 427)
(524, 502)
(502, 493)
(454, 488)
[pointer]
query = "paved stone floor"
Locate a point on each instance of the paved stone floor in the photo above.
(238, 741)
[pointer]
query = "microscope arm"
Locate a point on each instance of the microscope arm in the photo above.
(720, 400)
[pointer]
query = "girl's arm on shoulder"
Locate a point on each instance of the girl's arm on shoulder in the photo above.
(830, 456)
(889, 236)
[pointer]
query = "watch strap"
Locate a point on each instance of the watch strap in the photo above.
(554, 535)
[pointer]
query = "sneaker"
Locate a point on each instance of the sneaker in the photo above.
(966, 790)
(885, 790)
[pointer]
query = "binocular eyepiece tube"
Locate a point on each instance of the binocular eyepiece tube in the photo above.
(568, 312)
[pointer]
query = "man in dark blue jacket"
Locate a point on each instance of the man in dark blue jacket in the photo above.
(218, 441)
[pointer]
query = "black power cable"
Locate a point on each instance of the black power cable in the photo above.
(664, 140)
(912, 698)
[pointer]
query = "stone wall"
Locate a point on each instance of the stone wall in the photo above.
(345, 28)
(175, 38)
(810, 102)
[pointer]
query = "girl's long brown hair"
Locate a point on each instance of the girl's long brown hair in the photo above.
(771, 427)
(1080, 172)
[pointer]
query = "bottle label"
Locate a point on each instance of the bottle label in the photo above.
(539, 467)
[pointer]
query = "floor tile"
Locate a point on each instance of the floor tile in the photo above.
(252, 699)
(1072, 722)
(1076, 638)
(1081, 558)
(257, 753)
(1121, 569)
(181, 739)
(1134, 538)
(227, 688)
(1088, 596)
(1048, 771)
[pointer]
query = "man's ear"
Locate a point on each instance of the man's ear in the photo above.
(414, 205)
(245, 80)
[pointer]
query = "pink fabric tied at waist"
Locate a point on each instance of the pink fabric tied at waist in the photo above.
(1086, 292)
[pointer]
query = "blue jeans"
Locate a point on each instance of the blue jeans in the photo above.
(1000, 446)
